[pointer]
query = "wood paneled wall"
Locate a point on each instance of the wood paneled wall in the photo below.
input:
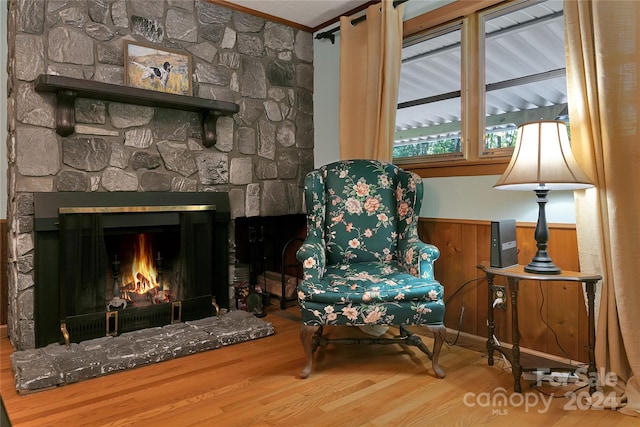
(4, 281)
(552, 315)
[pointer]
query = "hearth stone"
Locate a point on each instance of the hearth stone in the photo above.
(55, 365)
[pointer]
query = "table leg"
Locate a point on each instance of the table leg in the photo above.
(591, 372)
(516, 368)
(490, 322)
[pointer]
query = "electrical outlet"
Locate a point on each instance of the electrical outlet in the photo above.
(499, 297)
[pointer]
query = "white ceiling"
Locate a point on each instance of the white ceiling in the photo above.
(309, 13)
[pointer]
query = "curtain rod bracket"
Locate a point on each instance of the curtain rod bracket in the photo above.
(329, 34)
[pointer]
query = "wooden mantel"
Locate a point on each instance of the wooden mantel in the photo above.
(67, 89)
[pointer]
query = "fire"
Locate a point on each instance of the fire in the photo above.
(144, 278)
(143, 269)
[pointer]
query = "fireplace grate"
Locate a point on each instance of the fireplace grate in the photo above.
(94, 325)
(85, 326)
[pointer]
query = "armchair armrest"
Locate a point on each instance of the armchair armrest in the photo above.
(312, 255)
(418, 257)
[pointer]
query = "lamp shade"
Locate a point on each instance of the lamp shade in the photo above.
(542, 157)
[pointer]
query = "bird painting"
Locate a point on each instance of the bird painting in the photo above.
(154, 68)
(153, 73)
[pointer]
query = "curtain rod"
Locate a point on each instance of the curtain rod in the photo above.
(329, 34)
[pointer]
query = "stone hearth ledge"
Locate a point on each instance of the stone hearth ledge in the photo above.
(55, 365)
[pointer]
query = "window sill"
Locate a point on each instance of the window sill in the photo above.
(455, 168)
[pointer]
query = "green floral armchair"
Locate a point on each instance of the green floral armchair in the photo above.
(363, 261)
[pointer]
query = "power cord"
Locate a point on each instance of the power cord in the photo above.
(535, 385)
(459, 327)
(558, 396)
(549, 326)
(461, 310)
(462, 287)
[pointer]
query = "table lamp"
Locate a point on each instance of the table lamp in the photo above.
(542, 161)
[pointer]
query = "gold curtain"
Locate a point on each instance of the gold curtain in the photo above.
(603, 58)
(370, 58)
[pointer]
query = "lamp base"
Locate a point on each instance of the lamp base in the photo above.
(541, 263)
(542, 267)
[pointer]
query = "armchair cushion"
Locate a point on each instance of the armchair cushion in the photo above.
(369, 293)
(361, 212)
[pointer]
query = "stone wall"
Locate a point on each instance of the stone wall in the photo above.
(261, 155)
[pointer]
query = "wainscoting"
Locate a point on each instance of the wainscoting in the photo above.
(552, 316)
(463, 244)
(4, 284)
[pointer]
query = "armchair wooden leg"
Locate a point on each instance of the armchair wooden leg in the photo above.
(439, 334)
(309, 336)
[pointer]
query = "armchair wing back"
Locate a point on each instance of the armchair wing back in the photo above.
(363, 261)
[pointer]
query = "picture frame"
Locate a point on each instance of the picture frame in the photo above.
(157, 68)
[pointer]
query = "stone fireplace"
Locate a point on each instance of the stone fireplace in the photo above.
(260, 156)
(108, 263)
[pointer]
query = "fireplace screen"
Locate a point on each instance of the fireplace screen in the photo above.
(126, 268)
(108, 263)
(83, 263)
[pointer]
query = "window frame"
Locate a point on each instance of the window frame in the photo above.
(474, 159)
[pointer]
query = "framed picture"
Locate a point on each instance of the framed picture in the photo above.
(155, 68)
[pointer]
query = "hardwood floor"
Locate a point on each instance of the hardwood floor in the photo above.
(255, 384)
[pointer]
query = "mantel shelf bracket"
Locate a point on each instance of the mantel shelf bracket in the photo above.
(67, 89)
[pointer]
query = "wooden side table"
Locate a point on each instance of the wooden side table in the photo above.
(516, 273)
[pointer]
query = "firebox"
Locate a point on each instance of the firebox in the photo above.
(107, 263)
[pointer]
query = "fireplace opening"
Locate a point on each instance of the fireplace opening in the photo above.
(119, 264)
(144, 269)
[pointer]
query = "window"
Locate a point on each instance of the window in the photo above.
(467, 84)
(429, 110)
(524, 69)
